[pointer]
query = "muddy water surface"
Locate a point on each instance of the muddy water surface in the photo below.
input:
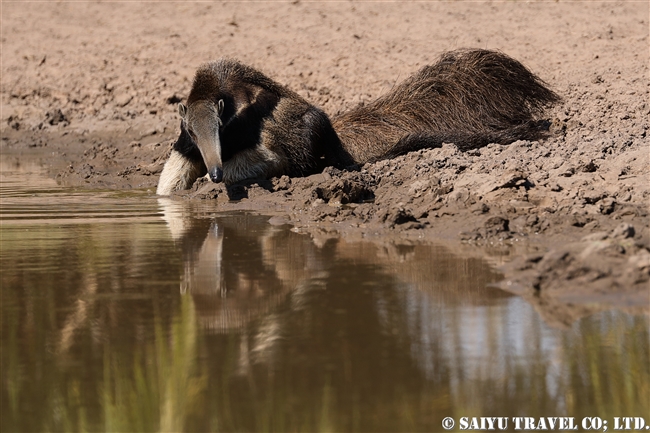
(125, 312)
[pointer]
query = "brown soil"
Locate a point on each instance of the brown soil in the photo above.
(94, 87)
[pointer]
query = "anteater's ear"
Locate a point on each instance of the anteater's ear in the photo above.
(182, 110)
(220, 107)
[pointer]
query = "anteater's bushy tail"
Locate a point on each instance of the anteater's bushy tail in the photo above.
(469, 97)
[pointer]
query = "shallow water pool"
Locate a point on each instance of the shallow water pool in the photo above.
(127, 312)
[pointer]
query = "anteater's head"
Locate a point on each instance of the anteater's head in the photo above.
(201, 120)
(238, 124)
(209, 106)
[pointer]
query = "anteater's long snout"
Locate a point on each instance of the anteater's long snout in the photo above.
(204, 122)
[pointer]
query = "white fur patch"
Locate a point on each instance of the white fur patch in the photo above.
(178, 173)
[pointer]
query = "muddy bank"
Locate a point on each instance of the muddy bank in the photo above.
(99, 106)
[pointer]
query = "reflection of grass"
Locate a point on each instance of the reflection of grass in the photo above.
(10, 360)
(160, 388)
(609, 373)
(153, 388)
(605, 372)
(70, 361)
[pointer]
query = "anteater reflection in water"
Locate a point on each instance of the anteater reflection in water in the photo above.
(249, 278)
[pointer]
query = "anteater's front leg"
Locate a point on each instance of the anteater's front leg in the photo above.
(179, 173)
